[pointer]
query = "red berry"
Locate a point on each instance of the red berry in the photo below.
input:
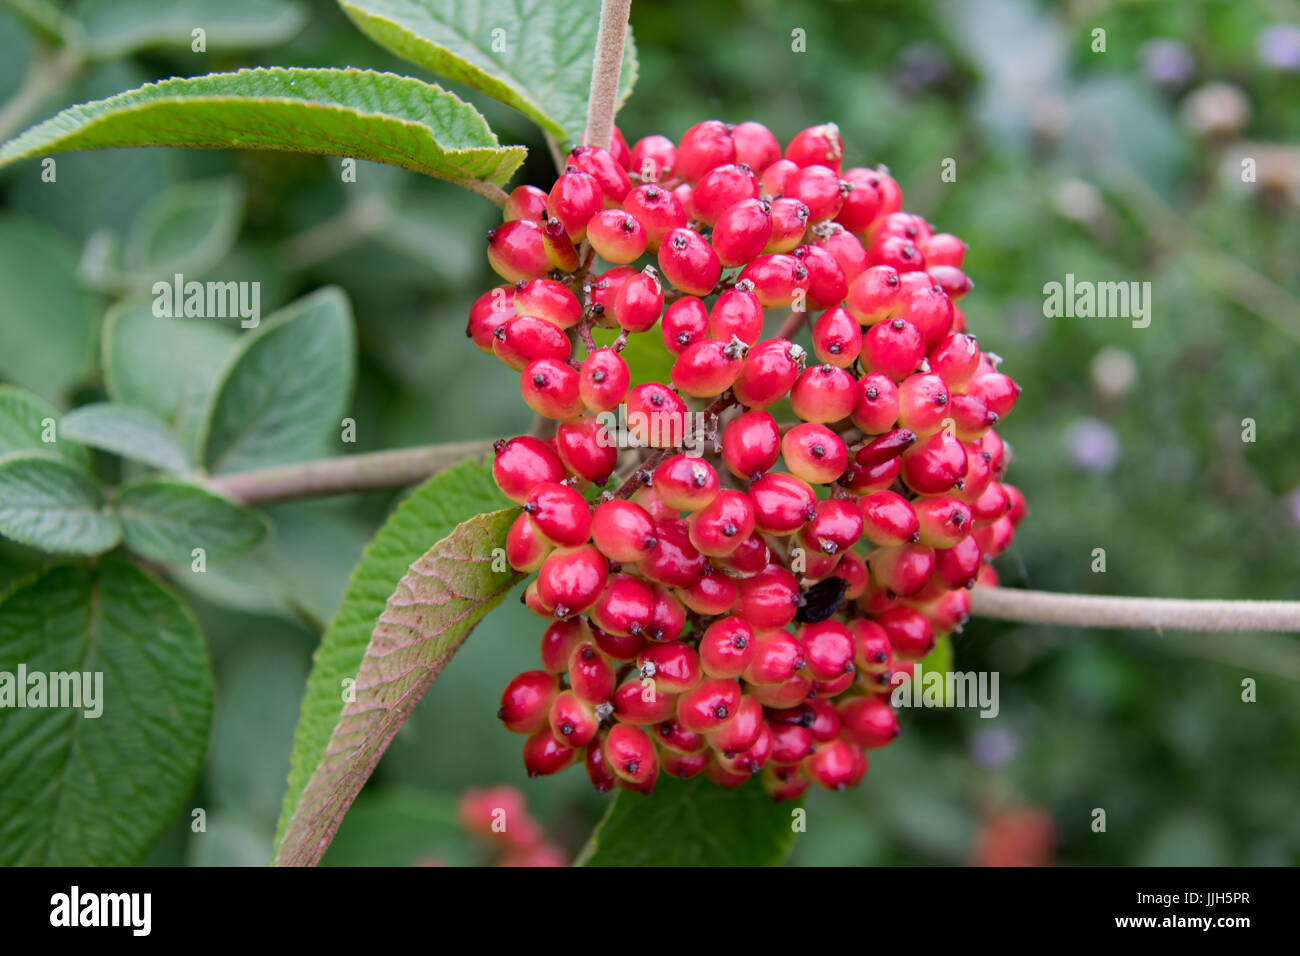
(689, 263)
(686, 482)
(560, 513)
(864, 203)
(526, 547)
(950, 612)
(930, 310)
(625, 607)
(572, 721)
(607, 171)
(776, 279)
(955, 359)
(782, 503)
(684, 766)
(671, 735)
(770, 369)
(546, 754)
(591, 676)
(998, 391)
(640, 701)
(740, 731)
(719, 189)
(517, 251)
(737, 312)
(571, 579)
(525, 202)
(902, 225)
(773, 179)
(726, 647)
(723, 524)
(971, 418)
(888, 519)
(603, 292)
(550, 388)
(751, 444)
(657, 209)
(639, 302)
(814, 453)
(653, 158)
(752, 556)
(935, 464)
(836, 527)
(922, 403)
(944, 521)
(756, 147)
(942, 249)
(827, 649)
(703, 147)
(958, 566)
(558, 642)
(910, 634)
(522, 463)
(623, 531)
(826, 285)
(708, 368)
(837, 338)
(869, 722)
(575, 198)
(603, 381)
(685, 322)
(549, 300)
(1018, 509)
(523, 339)
(490, 310)
(673, 561)
(713, 594)
(790, 743)
(670, 616)
(895, 251)
(630, 753)
(742, 231)
(674, 666)
(818, 188)
(950, 279)
(616, 235)
(602, 778)
(560, 252)
(876, 407)
(819, 145)
(894, 348)
(618, 647)
(526, 701)
(844, 247)
(863, 480)
(853, 569)
(708, 705)
(902, 570)
(656, 416)
(789, 224)
(875, 295)
(836, 766)
(781, 696)
(768, 599)
(824, 393)
(871, 650)
(990, 506)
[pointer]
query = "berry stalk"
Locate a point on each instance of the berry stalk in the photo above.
(1169, 614)
(602, 102)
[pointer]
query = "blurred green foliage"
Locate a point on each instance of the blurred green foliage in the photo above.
(1068, 161)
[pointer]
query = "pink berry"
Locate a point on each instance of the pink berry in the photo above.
(689, 263)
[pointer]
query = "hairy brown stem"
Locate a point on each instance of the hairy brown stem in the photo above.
(1161, 614)
(602, 102)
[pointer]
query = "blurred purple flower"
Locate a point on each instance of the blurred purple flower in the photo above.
(1279, 47)
(994, 747)
(1091, 445)
(1166, 62)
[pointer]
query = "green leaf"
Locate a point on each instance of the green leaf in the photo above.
(187, 229)
(77, 790)
(359, 113)
(693, 823)
(544, 70)
(165, 520)
(49, 320)
(54, 506)
(114, 28)
(130, 432)
(431, 513)
(285, 387)
(26, 421)
(165, 366)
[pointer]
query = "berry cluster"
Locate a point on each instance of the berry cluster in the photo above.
(499, 817)
(716, 615)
